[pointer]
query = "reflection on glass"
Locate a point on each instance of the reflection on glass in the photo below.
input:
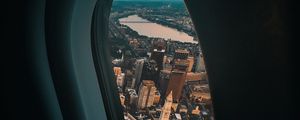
(158, 64)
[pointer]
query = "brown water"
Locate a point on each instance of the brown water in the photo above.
(150, 29)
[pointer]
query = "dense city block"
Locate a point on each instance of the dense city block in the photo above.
(158, 78)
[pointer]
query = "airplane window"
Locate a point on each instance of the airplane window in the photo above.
(157, 61)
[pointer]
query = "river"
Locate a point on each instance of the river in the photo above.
(150, 29)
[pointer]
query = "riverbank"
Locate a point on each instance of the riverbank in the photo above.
(155, 30)
(190, 32)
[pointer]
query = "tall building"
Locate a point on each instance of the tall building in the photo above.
(166, 109)
(159, 44)
(197, 60)
(170, 48)
(132, 96)
(146, 94)
(133, 82)
(166, 62)
(191, 63)
(138, 71)
(122, 99)
(176, 84)
(200, 66)
(178, 74)
(150, 71)
(129, 79)
(202, 63)
(163, 82)
(158, 56)
(120, 79)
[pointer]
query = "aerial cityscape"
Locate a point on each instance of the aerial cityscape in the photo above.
(157, 61)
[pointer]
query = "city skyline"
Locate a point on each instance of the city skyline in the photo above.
(150, 67)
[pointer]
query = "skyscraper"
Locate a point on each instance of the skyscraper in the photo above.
(132, 96)
(158, 56)
(150, 70)
(176, 84)
(129, 79)
(191, 63)
(120, 79)
(119, 76)
(146, 94)
(138, 71)
(200, 66)
(163, 82)
(166, 110)
(178, 74)
(197, 60)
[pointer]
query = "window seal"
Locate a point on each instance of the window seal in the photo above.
(100, 52)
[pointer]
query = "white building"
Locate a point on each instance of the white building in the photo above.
(166, 110)
(146, 94)
(120, 79)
